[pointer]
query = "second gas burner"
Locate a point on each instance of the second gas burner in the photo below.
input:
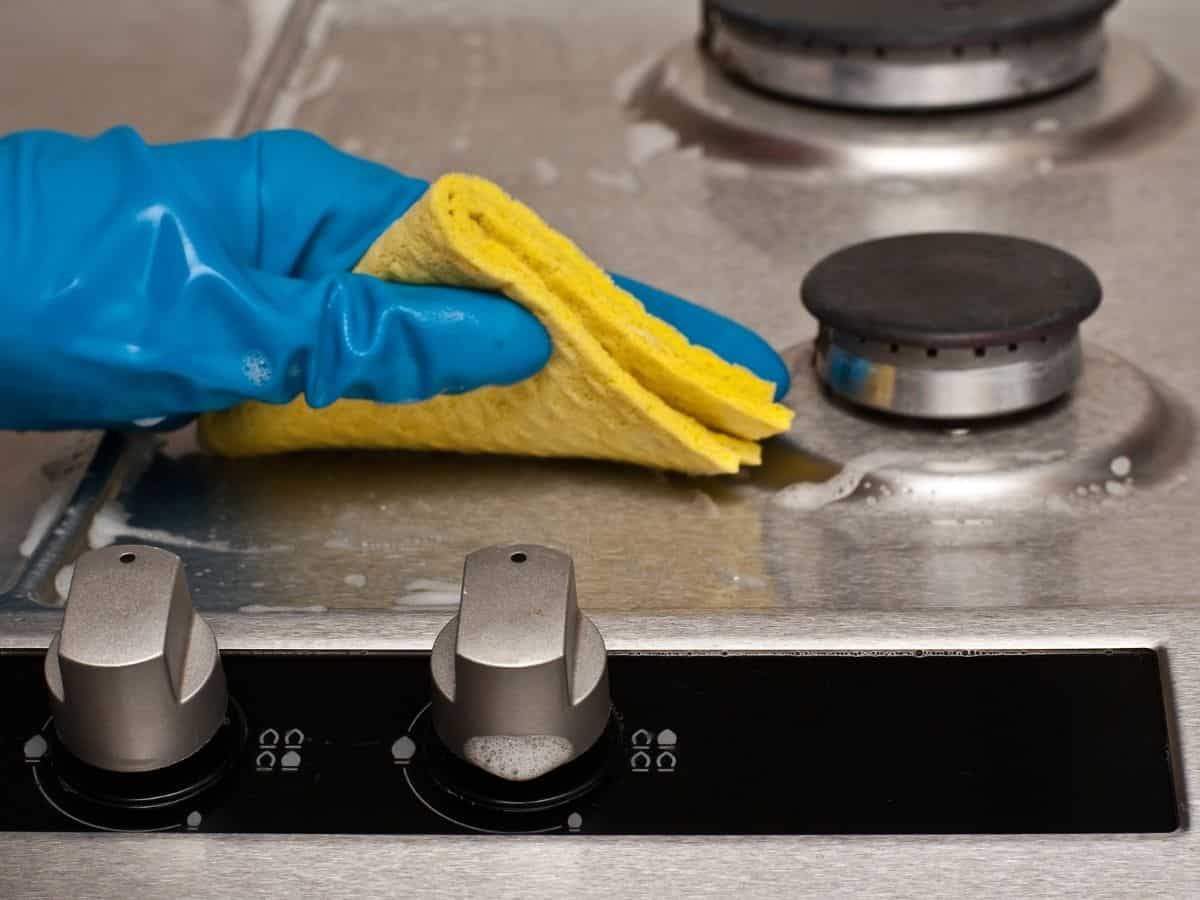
(916, 55)
(950, 326)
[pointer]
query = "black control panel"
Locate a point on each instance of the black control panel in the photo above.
(340, 743)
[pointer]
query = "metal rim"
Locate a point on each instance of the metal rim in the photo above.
(1130, 102)
(948, 384)
(883, 78)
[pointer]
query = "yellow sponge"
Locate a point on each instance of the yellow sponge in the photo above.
(621, 384)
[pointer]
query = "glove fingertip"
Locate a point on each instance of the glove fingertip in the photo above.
(730, 340)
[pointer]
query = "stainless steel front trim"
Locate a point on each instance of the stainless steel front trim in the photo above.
(889, 79)
(200, 867)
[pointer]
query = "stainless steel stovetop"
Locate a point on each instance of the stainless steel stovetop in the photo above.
(1065, 528)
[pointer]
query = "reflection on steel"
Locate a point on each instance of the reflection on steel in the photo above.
(1129, 100)
(871, 78)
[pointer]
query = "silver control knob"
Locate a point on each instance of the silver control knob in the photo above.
(520, 675)
(135, 680)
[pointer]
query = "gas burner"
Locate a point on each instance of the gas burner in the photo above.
(950, 326)
(915, 55)
(944, 353)
(954, 121)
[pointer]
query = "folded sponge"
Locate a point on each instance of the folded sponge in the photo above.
(621, 384)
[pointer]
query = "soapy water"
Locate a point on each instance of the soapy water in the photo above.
(855, 476)
(264, 18)
(111, 524)
(62, 582)
(300, 91)
(545, 172)
(48, 512)
(255, 608)
(430, 593)
(1116, 489)
(629, 81)
(624, 181)
(706, 505)
(809, 496)
(646, 140)
(518, 757)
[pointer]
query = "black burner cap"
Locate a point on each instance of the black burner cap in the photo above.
(951, 290)
(909, 24)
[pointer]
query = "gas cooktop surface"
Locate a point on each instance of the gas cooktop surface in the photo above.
(1055, 525)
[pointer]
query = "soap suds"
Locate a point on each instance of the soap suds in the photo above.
(356, 580)
(430, 593)
(264, 18)
(1121, 466)
(1056, 504)
(62, 581)
(1116, 489)
(746, 581)
(624, 181)
(646, 140)
(301, 90)
(263, 608)
(111, 524)
(809, 496)
(706, 505)
(545, 172)
(44, 516)
(518, 757)
(628, 82)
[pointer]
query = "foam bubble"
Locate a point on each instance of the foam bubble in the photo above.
(646, 140)
(545, 171)
(518, 757)
(44, 516)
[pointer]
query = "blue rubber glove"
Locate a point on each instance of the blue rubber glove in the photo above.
(148, 282)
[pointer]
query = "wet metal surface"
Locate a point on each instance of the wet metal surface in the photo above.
(533, 93)
(1129, 101)
(536, 96)
(174, 71)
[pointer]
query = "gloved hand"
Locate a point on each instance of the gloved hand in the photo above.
(142, 282)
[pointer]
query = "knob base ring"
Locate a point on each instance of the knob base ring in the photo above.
(124, 800)
(476, 788)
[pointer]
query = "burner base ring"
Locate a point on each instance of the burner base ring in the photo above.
(948, 384)
(1116, 434)
(884, 78)
(1128, 103)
